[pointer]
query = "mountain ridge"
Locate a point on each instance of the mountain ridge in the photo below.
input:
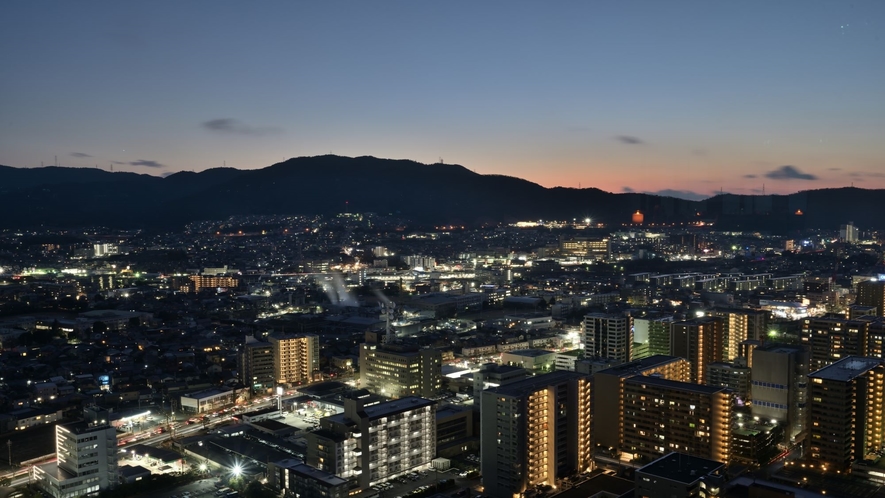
(425, 193)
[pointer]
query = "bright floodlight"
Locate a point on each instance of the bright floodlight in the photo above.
(237, 470)
(203, 467)
(279, 390)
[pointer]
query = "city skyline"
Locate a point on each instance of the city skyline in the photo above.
(687, 101)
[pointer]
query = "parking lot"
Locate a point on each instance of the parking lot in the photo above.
(403, 485)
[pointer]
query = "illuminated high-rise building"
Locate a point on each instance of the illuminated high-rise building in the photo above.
(608, 393)
(608, 336)
(847, 415)
(830, 339)
(872, 293)
(700, 341)
(740, 325)
(535, 431)
(296, 358)
(663, 416)
(849, 233)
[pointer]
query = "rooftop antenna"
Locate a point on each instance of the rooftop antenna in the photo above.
(441, 160)
(225, 163)
(41, 164)
(56, 160)
(763, 189)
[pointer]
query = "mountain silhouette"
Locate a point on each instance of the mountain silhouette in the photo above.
(423, 193)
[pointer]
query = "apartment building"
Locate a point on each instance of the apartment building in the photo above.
(296, 358)
(847, 402)
(373, 442)
(534, 431)
(255, 365)
(663, 416)
(700, 341)
(608, 393)
(608, 336)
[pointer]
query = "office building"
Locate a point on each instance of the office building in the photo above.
(595, 248)
(373, 442)
(663, 416)
(86, 458)
(608, 336)
(534, 431)
(779, 386)
(700, 341)
(847, 401)
(455, 432)
(608, 393)
(294, 478)
(296, 358)
(396, 371)
(255, 365)
(872, 293)
(680, 475)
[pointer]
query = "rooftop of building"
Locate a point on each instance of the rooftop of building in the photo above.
(323, 388)
(574, 352)
(531, 384)
(133, 470)
(208, 393)
(500, 369)
(602, 483)
(634, 367)
(675, 384)
(317, 474)
(533, 353)
(450, 410)
(396, 406)
(847, 368)
(682, 468)
(83, 426)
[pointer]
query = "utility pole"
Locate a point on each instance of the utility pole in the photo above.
(9, 447)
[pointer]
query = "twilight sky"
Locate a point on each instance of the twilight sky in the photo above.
(688, 96)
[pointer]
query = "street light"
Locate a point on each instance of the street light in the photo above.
(237, 470)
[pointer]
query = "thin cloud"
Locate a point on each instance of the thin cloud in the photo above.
(146, 163)
(232, 126)
(868, 174)
(119, 162)
(749, 176)
(700, 152)
(629, 140)
(789, 173)
(834, 169)
(79, 154)
(627, 190)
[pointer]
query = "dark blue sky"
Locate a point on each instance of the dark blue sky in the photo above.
(654, 95)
